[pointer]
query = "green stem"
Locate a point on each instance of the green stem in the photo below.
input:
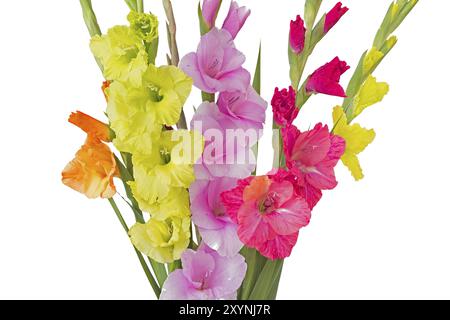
(173, 46)
(90, 20)
(140, 6)
(144, 265)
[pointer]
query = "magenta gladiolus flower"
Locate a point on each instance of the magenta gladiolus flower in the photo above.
(217, 229)
(312, 156)
(283, 106)
(334, 16)
(269, 214)
(205, 276)
(217, 64)
(235, 19)
(326, 79)
(247, 109)
(223, 155)
(209, 11)
(297, 35)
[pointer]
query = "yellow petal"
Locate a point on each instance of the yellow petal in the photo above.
(356, 139)
(371, 92)
(373, 57)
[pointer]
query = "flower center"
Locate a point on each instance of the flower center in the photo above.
(154, 93)
(165, 155)
(268, 203)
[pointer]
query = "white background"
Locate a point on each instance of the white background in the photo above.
(385, 237)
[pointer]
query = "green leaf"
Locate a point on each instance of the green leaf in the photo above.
(257, 86)
(268, 279)
(204, 28)
(152, 50)
(311, 10)
(255, 264)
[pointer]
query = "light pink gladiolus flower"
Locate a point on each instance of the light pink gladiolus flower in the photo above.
(217, 64)
(205, 276)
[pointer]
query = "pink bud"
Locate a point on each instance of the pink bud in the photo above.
(209, 11)
(297, 35)
(334, 16)
(326, 79)
(235, 19)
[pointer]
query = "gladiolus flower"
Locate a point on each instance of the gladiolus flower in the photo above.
(145, 25)
(326, 79)
(270, 214)
(283, 106)
(205, 276)
(217, 229)
(163, 241)
(334, 16)
(122, 54)
(210, 9)
(92, 170)
(297, 35)
(137, 113)
(312, 155)
(217, 64)
(235, 19)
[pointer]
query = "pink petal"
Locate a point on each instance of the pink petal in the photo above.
(278, 248)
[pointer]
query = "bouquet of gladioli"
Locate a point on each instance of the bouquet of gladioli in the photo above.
(208, 227)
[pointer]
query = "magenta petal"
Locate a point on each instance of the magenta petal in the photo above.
(288, 219)
(252, 230)
(311, 147)
(278, 248)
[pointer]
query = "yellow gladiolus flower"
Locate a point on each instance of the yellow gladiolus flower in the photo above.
(122, 54)
(356, 140)
(163, 241)
(138, 113)
(170, 165)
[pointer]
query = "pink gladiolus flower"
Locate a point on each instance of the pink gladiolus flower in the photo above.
(209, 11)
(270, 214)
(334, 16)
(312, 156)
(217, 229)
(235, 19)
(247, 109)
(283, 106)
(217, 64)
(326, 79)
(205, 276)
(223, 156)
(297, 35)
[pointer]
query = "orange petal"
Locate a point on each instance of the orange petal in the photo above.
(92, 170)
(257, 189)
(105, 87)
(90, 125)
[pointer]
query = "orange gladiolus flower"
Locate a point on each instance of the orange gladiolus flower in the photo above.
(92, 170)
